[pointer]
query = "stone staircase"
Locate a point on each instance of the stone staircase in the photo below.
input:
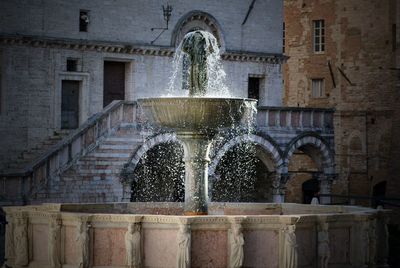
(95, 176)
(30, 155)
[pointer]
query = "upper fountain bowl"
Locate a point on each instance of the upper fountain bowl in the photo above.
(199, 115)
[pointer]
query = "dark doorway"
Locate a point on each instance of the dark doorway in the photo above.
(114, 81)
(310, 190)
(254, 88)
(379, 193)
(70, 104)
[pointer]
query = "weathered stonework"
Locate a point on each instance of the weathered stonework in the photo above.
(359, 70)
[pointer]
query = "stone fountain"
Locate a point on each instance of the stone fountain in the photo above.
(231, 235)
(196, 119)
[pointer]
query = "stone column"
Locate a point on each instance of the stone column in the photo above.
(278, 187)
(325, 185)
(382, 236)
(290, 255)
(54, 247)
(133, 245)
(196, 157)
(21, 250)
(324, 253)
(9, 241)
(236, 244)
(184, 239)
(83, 242)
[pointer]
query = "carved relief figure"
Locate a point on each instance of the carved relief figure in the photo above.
(236, 242)
(9, 239)
(82, 239)
(133, 245)
(54, 244)
(323, 245)
(290, 248)
(21, 242)
(184, 243)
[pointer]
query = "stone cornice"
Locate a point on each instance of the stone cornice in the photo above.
(128, 48)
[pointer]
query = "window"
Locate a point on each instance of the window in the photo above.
(283, 38)
(72, 65)
(83, 20)
(318, 88)
(254, 87)
(319, 35)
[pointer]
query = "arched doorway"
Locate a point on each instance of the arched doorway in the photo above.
(159, 175)
(308, 157)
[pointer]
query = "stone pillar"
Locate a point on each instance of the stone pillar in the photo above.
(324, 253)
(382, 243)
(54, 247)
(278, 187)
(196, 150)
(21, 251)
(184, 239)
(83, 242)
(325, 185)
(360, 241)
(133, 245)
(126, 179)
(9, 241)
(289, 249)
(235, 244)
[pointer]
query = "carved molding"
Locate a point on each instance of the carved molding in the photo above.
(109, 47)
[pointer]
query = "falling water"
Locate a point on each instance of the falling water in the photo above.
(178, 85)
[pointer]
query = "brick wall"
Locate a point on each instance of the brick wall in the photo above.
(358, 36)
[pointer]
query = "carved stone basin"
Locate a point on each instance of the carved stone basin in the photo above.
(199, 115)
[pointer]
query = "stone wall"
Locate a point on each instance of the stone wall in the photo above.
(36, 39)
(358, 40)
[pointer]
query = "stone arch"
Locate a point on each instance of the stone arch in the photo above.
(150, 143)
(267, 144)
(314, 146)
(197, 19)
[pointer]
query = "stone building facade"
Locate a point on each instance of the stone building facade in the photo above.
(38, 39)
(345, 55)
(65, 137)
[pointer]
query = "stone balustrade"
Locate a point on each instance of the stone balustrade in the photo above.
(295, 118)
(248, 235)
(25, 183)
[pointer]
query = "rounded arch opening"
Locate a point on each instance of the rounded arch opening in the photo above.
(307, 158)
(159, 174)
(244, 174)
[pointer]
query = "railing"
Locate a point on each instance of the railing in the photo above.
(69, 150)
(295, 117)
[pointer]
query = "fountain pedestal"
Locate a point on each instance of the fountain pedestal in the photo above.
(196, 150)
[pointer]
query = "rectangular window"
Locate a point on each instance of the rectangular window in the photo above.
(318, 88)
(254, 88)
(319, 35)
(283, 38)
(72, 65)
(83, 20)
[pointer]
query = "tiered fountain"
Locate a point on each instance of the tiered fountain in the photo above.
(232, 235)
(196, 119)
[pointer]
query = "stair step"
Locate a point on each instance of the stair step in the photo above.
(110, 155)
(118, 146)
(125, 139)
